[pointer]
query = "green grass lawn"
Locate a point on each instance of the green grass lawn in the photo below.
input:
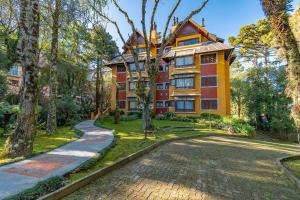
(130, 139)
(294, 166)
(44, 142)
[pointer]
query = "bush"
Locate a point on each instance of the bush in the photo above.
(232, 125)
(283, 126)
(113, 112)
(40, 189)
(68, 111)
(210, 116)
(7, 108)
(236, 125)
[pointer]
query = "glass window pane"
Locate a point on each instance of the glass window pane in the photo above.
(209, 58)
(132, 67)
(209, 81)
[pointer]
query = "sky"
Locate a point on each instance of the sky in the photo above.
(222, 17)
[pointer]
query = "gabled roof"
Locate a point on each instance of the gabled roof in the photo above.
(205, 33)
(205, 47)
(128, 57)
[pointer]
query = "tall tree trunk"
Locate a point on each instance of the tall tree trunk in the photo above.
(21, 141)
(147, 120)
(102, 87)
(97, 97)
(276, 12)
(51, 118)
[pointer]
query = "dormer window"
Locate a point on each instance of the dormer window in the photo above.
(140, 50)
(188, 42)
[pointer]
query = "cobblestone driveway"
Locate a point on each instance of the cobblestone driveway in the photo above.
(204, 168)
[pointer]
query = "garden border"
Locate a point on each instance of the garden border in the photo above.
(286, 171)
(72, 187)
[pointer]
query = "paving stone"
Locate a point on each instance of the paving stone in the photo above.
(205, 168)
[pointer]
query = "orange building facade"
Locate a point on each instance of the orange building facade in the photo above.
(193, 77)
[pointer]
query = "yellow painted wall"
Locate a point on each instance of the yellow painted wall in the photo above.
(221, 84)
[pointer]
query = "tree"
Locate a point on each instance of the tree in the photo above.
(21, 141)
(101, 48)
(51, 118)
(145, 95)
(277, 13)
(8, 33)
(254, 42)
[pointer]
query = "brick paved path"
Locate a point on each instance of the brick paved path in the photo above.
(21, 175)
(204, 168)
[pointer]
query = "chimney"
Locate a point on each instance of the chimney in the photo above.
(154, 34)
(175, 23)
(203, 23)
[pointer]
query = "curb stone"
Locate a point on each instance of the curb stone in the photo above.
(286, 171)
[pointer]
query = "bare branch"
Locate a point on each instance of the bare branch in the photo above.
(134, 30)
(165, 33)
(147, 43)
(172, 35)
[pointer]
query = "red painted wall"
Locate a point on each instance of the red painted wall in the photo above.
(161, 110)
(122, 95)
(121, 77)
(210, 69)
(162, 94)
(162, 77)
(209, 92)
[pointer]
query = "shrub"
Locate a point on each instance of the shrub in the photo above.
(236, 125)
(210, 116)
(7, 108)
(113, 112)
(40, 189)
(68, 111)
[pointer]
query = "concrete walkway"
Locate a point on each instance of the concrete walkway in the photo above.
(22, 175)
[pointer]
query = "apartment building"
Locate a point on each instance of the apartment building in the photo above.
(193, 77)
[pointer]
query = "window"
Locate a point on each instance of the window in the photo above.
(122, 104)
(161, 68)
(167, 49)
(167, 104)
(208, 59)
(132, 105)
(167, 86)
(147, 83)
(121, 68)
(140, 50)
(184, 105)
(159, 104)
(14, 82)
(182, 62)
(122, 86)
(160, 86)
(14, 71)
(209, 81)
(209, 104)
(133, 68)
(184, 83)
(131, 86)
(188, 42)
